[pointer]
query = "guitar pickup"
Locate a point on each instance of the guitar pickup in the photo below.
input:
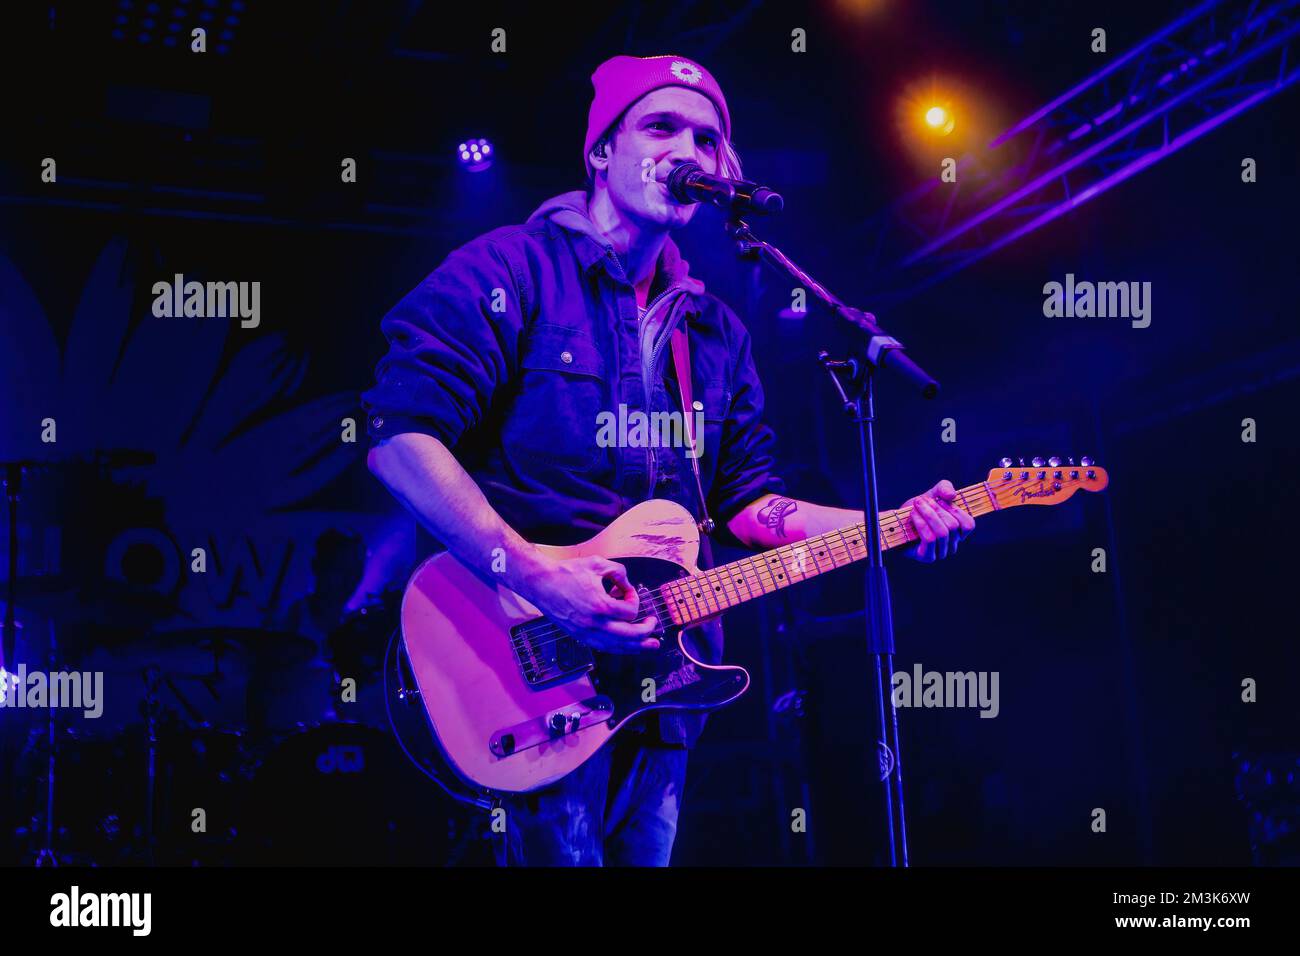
(551, 726)
(545, 659)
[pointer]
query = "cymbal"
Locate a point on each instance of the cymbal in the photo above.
(102, 602)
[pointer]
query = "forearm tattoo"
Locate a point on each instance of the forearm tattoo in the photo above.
(774, 513)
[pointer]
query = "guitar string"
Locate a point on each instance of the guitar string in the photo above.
(554, 634)
(546, 628)
(660, 605)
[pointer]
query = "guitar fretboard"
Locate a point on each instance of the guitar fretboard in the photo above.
(694, 599)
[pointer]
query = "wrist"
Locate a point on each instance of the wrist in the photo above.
(525, 565)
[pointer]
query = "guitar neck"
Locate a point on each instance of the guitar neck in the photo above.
(694, 599)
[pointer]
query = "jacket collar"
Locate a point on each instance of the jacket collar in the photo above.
(569, 212)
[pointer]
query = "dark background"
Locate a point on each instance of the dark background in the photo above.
(1119, 690)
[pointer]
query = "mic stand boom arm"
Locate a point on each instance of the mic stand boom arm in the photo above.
(882, 350)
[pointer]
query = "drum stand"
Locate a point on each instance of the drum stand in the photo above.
(151, 708)
(46, 855)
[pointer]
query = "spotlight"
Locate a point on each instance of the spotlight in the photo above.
(475, 154)
(940, 120)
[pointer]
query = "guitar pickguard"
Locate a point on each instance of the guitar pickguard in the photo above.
(625, 684)
(668, 677)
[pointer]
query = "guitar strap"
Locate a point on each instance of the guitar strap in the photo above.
(682, 363)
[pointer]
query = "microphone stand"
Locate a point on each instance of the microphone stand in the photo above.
(874, 350)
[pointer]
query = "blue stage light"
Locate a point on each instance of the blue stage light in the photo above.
(475, 154)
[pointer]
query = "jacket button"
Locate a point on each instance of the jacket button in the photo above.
(566, 357)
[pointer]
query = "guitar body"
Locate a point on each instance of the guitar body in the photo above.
(514, 702)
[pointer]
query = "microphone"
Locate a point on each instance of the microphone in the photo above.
(689, 183)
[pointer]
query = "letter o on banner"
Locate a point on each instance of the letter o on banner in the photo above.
(144, 558)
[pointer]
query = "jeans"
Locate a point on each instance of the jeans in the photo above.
(619, 809)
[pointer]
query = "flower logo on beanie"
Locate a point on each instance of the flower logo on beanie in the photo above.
(687, 72)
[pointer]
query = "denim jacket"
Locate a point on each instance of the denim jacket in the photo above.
(509, 351)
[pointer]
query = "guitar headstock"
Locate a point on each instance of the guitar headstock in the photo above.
(1044, 482)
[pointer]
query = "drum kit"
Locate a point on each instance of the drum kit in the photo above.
(213, 745)
(241, 751)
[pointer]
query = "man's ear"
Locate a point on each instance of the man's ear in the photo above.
(599, 156)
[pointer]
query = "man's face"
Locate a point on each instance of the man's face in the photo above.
(662, 130)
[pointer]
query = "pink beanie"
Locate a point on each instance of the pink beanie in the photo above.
(622, 80)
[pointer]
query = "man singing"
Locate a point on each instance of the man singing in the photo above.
(484, 424)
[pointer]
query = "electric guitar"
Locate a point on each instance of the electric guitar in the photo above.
(515, 703)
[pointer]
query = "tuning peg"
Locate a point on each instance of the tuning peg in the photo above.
(1022, 463)
(1071, 461)
(1036, 462)
(1004, 462)
(1085, 461)
(1054, 461)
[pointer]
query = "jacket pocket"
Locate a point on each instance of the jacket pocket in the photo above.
(716, 400)
(563, 386)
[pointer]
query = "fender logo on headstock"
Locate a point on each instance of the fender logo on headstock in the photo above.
(1044, 493)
